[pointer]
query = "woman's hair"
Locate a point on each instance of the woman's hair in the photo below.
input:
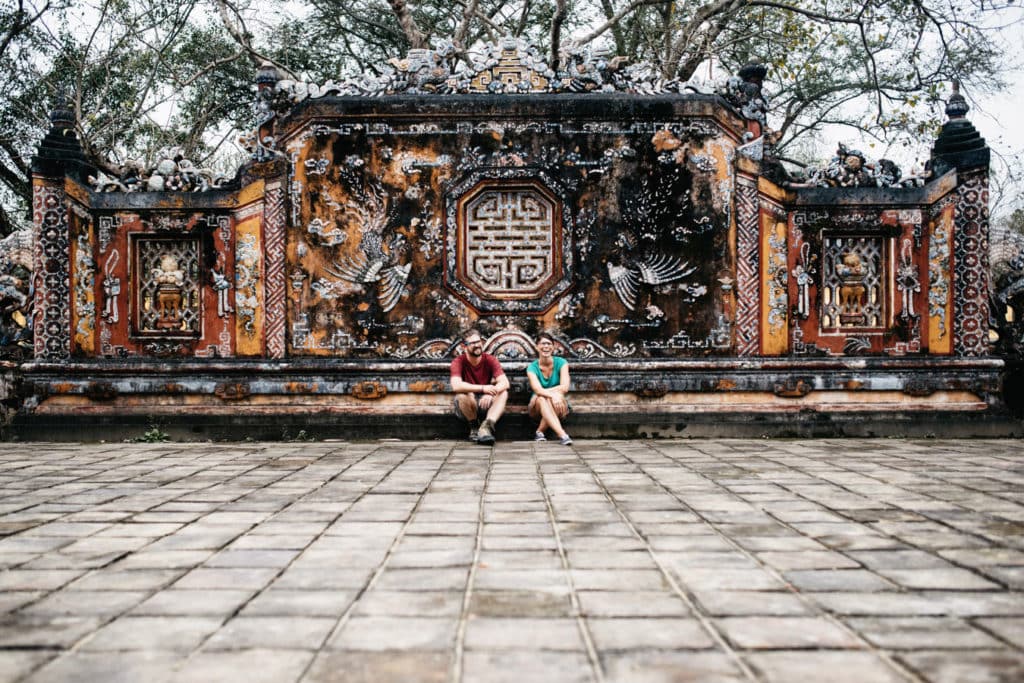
(543, 335)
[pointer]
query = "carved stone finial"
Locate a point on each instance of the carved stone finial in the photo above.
(959, 144)
(61, 116)
(267, 75)
(956, 107)
(754, 73)
(61, 142)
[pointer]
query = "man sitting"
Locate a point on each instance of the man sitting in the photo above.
(480, 386)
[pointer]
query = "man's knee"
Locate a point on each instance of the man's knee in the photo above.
(466, 404)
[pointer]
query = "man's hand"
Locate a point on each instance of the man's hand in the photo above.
(490, 390)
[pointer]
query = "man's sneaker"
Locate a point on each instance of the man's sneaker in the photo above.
(485, 434)
(539, 436)
(566, 440)
(474, 430)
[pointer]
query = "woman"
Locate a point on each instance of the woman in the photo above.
(549, 380)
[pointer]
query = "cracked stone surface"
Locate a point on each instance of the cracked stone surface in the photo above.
(725, 560)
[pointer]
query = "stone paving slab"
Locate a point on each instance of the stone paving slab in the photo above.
(634, 561)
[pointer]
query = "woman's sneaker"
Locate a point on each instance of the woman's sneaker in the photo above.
(566, 440)
(539, 436)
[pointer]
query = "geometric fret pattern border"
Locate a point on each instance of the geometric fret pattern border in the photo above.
(274, 234)
(748, 299)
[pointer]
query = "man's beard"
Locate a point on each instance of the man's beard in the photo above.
(475, 351)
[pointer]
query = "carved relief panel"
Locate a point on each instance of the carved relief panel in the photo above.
(854, 283)
(858, 282)
(163, 285)
(612, 234)
(508, 249)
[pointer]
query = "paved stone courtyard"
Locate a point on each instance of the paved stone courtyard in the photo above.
(717, 560)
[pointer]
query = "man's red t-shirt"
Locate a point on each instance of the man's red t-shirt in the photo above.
(483, 373)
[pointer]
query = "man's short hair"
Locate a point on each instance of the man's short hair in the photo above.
(469, 332)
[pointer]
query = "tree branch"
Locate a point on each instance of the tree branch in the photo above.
(417, 40)
(626, 11)
(556, 31)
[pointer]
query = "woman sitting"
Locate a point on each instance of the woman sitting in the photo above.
(549, 380)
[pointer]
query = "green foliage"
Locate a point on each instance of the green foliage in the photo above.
(153, 435)
(144, 75)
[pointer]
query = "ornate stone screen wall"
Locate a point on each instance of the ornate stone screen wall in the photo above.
(642, 224)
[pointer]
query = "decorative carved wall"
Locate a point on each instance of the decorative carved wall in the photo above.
(613, 234)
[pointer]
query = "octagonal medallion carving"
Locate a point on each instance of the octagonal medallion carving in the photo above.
(508, 241)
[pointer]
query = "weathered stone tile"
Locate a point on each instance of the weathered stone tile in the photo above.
(379, 667)
(632, 604)
(804, 666)
(252, 558)
(185, 602)
(497, 633)
(899, 559)
(180, 634)
(395, 633)
(881, 604)
(445, 579)
(36, 579)
(648, 634)
(314, 603)
(346, 527)
(807, 559)
(12, 600)
(16, 664)
(777, 633)
(1010, 629)
(1013, 577)
(952, 578)
(520, 559)
(301, 578)
(276, 632)
(911, 633)
(554, 580)
(461, 557)
(519, 604)
(518, 543)
(856, 580)
(86, 603)
(618, 579)
(750, 603)
(20, 630)
(409, 603)
(164, 559)
(125, 580)
(526, 666)
(653, 666)
(960, 666)
(709, 578)
(216, 577)
(251, 666)
(126, 667)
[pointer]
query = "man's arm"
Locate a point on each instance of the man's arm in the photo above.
(501, 383)
(460, 386)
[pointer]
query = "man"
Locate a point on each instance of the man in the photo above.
(480, 386)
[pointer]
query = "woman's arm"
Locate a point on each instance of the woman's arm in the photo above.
(563, 379)
(536, 387)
